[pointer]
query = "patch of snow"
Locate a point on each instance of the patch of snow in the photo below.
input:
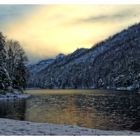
(14, 96)
(15, 127)
(121, 88)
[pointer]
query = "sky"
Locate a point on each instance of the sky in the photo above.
(44, 31)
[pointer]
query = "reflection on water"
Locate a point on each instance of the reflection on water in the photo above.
(13, 109)
(93, 109)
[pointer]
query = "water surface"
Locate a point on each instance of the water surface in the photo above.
(101, 109)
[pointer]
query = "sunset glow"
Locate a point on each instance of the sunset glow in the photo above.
(47, 30)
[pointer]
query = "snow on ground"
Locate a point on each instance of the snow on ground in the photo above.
(14, 96)
(15, 127)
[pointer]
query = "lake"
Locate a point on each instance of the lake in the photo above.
(100, 109)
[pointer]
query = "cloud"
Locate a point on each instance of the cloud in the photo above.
(10, 13)
(109, 17)
(47, 30)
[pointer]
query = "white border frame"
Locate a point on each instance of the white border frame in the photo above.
(69, 2)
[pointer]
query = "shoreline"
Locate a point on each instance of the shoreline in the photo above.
(10, 127)
(108, 89)
(10, 95)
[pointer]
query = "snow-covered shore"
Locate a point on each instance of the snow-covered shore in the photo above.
(13, 96)
(15, 127)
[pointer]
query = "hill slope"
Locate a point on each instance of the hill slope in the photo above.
(113, 63)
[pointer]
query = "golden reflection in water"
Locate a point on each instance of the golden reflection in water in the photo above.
(63, 110)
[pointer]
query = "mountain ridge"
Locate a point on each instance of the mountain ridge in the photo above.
(79, 69)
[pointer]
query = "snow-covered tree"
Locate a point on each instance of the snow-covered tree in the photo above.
(5, 80)
(16, 61)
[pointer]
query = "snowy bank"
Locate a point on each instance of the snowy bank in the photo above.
(15, 127)
(13, 96)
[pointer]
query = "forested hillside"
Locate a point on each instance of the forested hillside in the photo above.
(113, 64)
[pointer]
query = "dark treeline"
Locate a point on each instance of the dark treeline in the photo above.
(13, 72)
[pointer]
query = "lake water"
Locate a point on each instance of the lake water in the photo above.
(101, 109)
